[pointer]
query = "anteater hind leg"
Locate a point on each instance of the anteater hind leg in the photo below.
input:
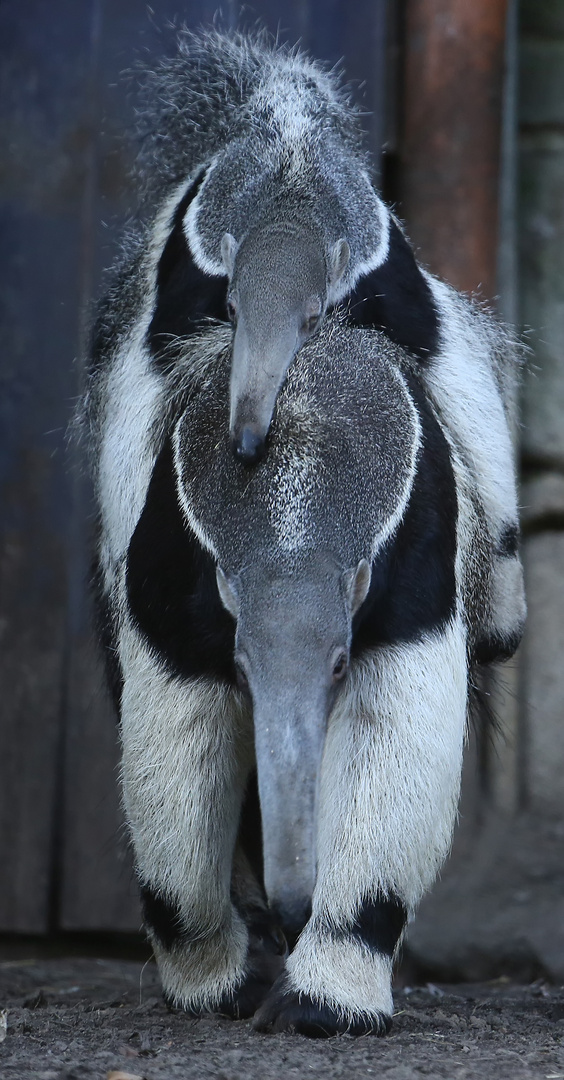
(187, 751)
(267, 948)
(389, 791)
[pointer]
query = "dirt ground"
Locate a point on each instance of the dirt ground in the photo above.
(76, 1019)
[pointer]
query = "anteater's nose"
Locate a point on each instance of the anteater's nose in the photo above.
(249, 446)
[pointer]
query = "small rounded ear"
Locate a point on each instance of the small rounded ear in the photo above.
(227, 593)
(357, 583)
(339, 260)
(229, 248)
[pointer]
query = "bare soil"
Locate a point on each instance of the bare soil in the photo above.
(76, 1019)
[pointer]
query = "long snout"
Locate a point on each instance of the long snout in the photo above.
(289, 749)
(258, 368)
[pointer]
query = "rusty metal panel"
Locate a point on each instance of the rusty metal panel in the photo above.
(450, 160)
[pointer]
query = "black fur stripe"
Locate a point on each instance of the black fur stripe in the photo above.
(396, 298)
(185, 294)
(162, 917)
(171, 586)
(413, 584)
(378, 925)
(508, 543)
(494, 647)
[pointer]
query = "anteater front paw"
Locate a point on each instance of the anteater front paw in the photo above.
(267, 951)
(286, 1009)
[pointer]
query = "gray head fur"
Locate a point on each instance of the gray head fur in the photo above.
(338, 472)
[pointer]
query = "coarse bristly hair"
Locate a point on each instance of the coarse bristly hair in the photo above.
(219, 85)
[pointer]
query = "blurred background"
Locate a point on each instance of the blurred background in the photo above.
(464, 119)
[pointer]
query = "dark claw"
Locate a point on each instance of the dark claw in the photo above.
(289, 1010)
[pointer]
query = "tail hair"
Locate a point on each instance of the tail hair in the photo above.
(191, 104)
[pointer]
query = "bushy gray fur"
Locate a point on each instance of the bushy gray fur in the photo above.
(193, 103)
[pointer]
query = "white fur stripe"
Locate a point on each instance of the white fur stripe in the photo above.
(192, 521)
(214, 267)
(135, 399)
(378, 256)
(394, 520)
(134, 402)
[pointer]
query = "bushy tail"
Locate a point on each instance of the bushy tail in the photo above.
(193, 103)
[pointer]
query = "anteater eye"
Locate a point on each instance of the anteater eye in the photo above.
(340, 667)
(310, 323)
(231, 311)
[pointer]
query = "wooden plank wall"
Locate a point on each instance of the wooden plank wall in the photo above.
(64, 194)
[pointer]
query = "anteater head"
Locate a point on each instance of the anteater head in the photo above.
(292, 653)
(294, 542)
(281, 281)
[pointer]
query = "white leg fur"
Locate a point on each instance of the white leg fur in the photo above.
(198, 976)
(187, 750)
(388, 797)
(341, 974)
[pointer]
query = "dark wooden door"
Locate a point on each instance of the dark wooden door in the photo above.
(64, 195)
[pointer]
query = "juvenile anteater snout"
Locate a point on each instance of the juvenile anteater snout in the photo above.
(249, 445)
